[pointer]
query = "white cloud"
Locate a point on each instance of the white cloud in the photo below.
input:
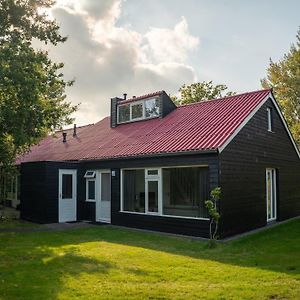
(171, 44)
(108, 60)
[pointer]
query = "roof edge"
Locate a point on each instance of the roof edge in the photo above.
(226, 97)
(284, 123)
(243, 124)
(190, 152)
(249, 117)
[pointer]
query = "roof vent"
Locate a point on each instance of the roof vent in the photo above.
(74, 131)
(64, 134)
(133, 97)
(125, 96)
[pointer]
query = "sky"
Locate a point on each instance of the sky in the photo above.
(142, 46)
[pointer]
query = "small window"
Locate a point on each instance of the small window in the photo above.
(105, 187)
(270, 120)
(67, 183)
(152, 172)
(137, 111)
(90, 189)
(152, 108)
(124, 113)
(90, 174)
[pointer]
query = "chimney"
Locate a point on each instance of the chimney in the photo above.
(125, 96)
(113, 111)
(74, 131)
(64, 134)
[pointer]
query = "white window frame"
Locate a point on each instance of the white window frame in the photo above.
(269, 116)
(149, 99)
(154, 178)
(118, 119)
(143, 110)
(273, 175)
(130, 111)
(87, 190)
(93, 175)
(160, 192)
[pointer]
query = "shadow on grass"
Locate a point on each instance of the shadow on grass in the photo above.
(33, 264)
(38, 269)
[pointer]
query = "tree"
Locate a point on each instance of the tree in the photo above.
(32, 87)
(211, 205)
(201, 91)
(284, 78)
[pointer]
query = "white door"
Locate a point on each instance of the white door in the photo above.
(103, 203)
(271, 194)
(67, 196)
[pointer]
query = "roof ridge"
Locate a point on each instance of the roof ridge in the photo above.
(225, 97)
(71, 128)
(142, 96)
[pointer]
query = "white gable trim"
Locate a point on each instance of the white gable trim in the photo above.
(285, 124)
(249, 117)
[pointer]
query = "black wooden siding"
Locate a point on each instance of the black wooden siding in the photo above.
(166, 224)
(33, 195)
(39, 190)
(243, 165)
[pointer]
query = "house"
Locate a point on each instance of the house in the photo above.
(152, 165)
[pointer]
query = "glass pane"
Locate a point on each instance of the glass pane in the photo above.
(105, 187)
(273, 193)
(152, 172)
(185, 191)
(151, 108)
(124, 113)
(91, 190)
(134, 190)
(269, 112)
(67, 190)
(137, 111)
(153, 196)
(269, 194)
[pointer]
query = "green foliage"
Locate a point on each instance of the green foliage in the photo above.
(201, 91)
(211, 206)
(284, 78)
(32, 88)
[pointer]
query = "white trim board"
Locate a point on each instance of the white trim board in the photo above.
(249, 117)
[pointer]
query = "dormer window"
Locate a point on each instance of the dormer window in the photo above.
(124, 113)
(139, 110)
(152, 108)
(147, 107)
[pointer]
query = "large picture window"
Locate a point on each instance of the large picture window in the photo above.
(173, 191)
(185, 191)
(134, 190)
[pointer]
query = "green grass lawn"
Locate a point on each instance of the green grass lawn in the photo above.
(103, 262)
(12, 223)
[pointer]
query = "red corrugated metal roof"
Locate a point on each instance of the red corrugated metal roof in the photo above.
(194, 127)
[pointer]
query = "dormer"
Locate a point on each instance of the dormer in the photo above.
(155, 105)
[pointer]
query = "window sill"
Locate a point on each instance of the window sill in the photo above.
(165, 216)
(87, 200)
